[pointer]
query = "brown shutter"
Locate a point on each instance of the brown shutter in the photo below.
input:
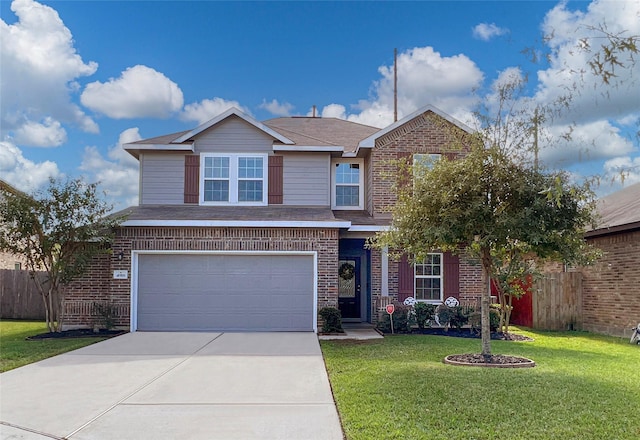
(451, 275)
(405, 278)
(191, 178)
(275, 180)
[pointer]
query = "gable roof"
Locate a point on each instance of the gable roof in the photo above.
(619, 211)
(328, 132)
(371, 140)
(222, 116)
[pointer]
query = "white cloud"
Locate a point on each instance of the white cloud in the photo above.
(594, 105)
(117, 173)
(23, 173)
(592, 141)
(39, 67)
(207, 109)
(621, 171)
(332, 111)
(569, 68)
(49, 133)
(139, 92)
(424, 77)
(486, 32)
(276, 108)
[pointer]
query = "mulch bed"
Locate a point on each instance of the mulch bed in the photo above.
(496, 360)
(77, 333)
(468, 333)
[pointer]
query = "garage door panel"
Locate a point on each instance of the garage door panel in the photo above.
(225, 292)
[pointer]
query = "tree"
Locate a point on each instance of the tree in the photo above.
(57, 231)
(493, 207)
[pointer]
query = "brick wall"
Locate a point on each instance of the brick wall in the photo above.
(611, 296)
(99, 285)
(426, 134)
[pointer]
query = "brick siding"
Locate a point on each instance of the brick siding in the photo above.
(98, 284)
(611, 297)
(425, 134)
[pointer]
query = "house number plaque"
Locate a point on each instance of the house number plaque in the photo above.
(120, 274)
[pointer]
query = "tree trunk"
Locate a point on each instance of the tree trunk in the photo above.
(485, 305)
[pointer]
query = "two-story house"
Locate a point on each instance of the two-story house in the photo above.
(248, 225)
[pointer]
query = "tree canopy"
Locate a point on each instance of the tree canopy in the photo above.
(493, 207)
(57, 231)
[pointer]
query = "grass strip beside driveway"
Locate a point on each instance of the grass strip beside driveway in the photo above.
(584, 387)
(16, 351)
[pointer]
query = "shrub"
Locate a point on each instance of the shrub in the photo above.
(105, 314)
(331, 320)
(402, 320)
(424, 314)
(494, 319)
(459, 317)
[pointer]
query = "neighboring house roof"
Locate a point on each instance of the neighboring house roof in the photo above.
(370, 141)
(619, 211)
(5, 187)
(310, 131)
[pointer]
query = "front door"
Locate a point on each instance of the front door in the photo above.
(349, 288)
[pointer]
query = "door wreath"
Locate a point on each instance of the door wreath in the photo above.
(346, 271)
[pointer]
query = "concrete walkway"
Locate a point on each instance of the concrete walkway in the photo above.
(175, 386)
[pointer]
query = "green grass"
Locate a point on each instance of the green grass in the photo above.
(583, 387)
(16, 351)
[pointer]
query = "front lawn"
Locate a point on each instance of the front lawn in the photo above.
(16, 351)
(584, 386)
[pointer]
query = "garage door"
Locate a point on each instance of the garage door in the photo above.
(195, 292)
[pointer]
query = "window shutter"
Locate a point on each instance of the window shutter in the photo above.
(191, 178)
(405, 278)
(275, 180)
(451, 275)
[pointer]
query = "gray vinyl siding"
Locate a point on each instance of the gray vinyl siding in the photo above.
(306, 179)
(162, 179)
(233, 135)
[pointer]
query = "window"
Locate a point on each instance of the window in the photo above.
(348, 184)
(233, 178)
(428, 279)
(424, 161)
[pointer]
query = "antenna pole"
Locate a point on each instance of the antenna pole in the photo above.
(395, 84)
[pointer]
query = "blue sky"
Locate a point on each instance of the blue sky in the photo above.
(78, 78)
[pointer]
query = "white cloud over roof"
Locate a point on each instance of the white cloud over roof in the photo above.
(207, 109)
(139, 92)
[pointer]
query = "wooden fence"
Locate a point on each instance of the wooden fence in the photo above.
(557, 301)
(19, 296)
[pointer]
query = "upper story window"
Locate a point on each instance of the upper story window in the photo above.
(425, 161)
(233, 179)
(347, 189)
(428, 279)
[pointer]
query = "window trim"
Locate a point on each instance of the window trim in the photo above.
(234, 179)
(440, 277)
(360, 163)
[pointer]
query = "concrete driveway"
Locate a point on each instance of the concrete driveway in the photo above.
(175, 386)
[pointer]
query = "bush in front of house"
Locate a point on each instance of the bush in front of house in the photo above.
(424, 314)
(331, 320)
(494, 319)
(402, 320)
